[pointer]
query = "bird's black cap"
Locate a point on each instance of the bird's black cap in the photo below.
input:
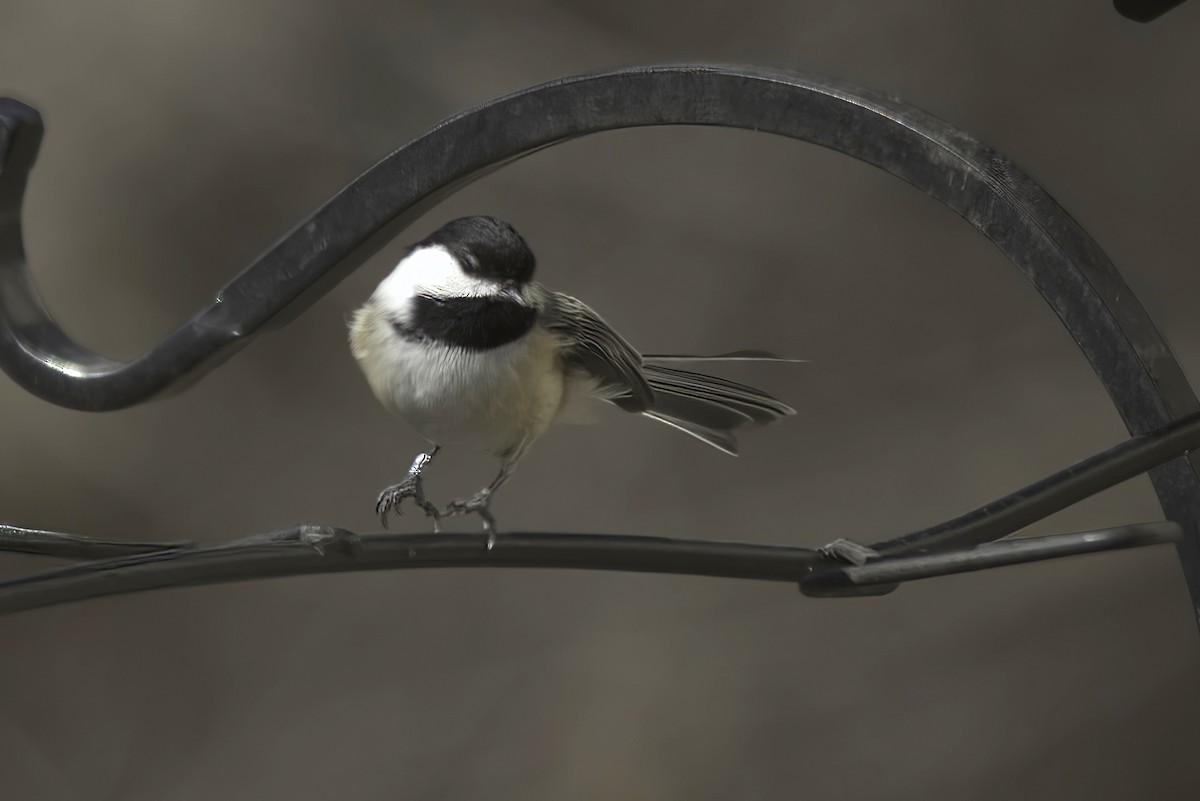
(486, 247)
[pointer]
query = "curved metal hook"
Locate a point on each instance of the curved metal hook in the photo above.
(970, 178)
(1055, 253)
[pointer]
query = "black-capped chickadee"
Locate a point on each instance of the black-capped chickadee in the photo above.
(462, 342)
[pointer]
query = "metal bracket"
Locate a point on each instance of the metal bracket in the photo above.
(1144, 10)
(1063, 262)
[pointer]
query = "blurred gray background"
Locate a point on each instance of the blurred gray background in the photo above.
(183, 138)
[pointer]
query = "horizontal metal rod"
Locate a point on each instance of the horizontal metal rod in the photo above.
(38, 542)
(885, 574)
(302, 549)
(987, 523)
(308, 549)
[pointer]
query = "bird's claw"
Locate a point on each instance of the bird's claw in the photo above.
(391, 498)
(478, 504)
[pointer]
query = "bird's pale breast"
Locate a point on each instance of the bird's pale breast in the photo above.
(492, 399)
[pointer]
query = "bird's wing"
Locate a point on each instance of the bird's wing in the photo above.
(593, 347)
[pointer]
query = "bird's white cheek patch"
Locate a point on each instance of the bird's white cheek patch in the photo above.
(429, 271)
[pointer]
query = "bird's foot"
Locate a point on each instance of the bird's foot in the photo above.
(478, 504)
(391, 498)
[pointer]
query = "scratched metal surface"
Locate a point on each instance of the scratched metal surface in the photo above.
(181, 141)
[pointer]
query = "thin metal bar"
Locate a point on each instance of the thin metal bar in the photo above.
(311, 549)
(992, 521)
(1055, 492)
(875, 577)
(15, 539)
(143, 565)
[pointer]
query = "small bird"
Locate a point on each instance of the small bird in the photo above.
(461, 342)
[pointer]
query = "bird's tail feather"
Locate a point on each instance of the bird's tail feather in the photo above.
(721, 440)
(732, 356)
(707, 407)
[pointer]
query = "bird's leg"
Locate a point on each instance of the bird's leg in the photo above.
(410, 487)
(480, 502)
